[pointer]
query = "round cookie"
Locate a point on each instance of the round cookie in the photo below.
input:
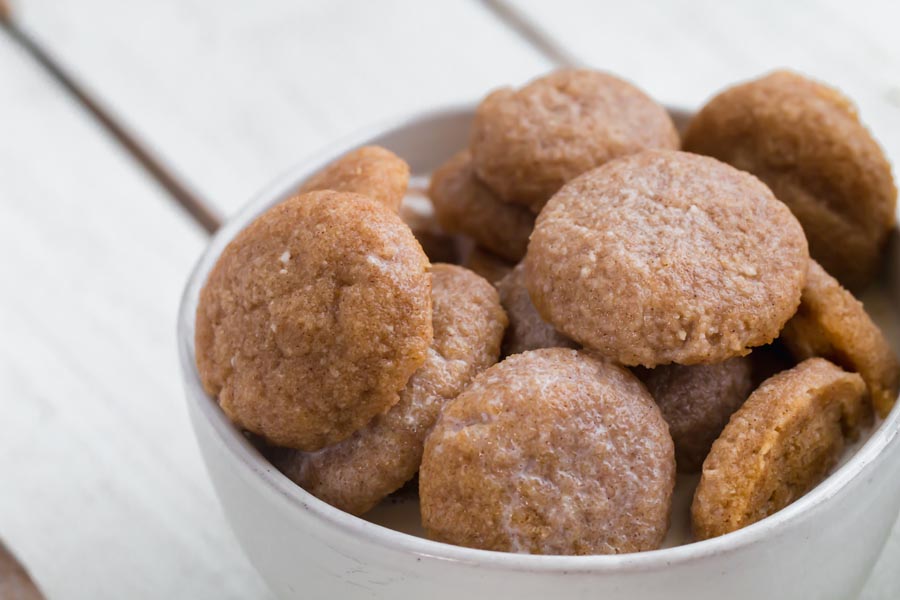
(666, 256)
(464, 205)
(357, 473)
(527, 143)
(777, 446)
(527, 330)
(697, 401)
(833, 324)
(314, 318)
(549, 452)
(371, 171)
(489, 266)
(805, 141)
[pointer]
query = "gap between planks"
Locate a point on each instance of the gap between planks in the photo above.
(197, 207)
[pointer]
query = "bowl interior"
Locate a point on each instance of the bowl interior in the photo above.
(425, 141)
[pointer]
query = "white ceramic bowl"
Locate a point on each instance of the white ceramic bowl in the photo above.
(822, 546)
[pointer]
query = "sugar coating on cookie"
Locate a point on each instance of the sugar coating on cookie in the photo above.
(527, 329)
(372, 171)
(357, 473)
(527, 143)
(697, 401)
(464, 205)
(806, 142)
(831, 323)
(779, 445)
(666, 256)
(549, 452)
(314, 318)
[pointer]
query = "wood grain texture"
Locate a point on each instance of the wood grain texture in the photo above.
(103, 491)
(684, 52)
(234, 94)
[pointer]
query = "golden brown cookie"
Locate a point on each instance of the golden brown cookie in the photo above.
(490, 266)
(464, 205)
(549, 452)
(527, 330)
(777, 446)
(371, 171)
(805, 141)
(355, 474)
(833, 324)
(697, 401)
(665, 257)
(527, 143)
(314, 318)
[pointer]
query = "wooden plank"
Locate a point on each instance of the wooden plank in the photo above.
(234, 94)
(684, 52)
(103, 492)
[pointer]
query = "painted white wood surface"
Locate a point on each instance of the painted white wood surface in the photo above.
(102, 491)
(234, 93)
(108, 498)
(684, 52)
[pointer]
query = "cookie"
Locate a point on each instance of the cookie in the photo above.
(371, 171)
(664, 257)
(490, 266)
(314, 318)
(831, 323)
(779, 445)
(357, 473)
(527, 330)
(697, 401)
(805, 141)
(549, 452)
(527, 143)
(464, 205)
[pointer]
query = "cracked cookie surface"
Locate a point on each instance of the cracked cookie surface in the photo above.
(314, 318)
(666, 256)
(549, 452)
(357, 473)
(526, 143)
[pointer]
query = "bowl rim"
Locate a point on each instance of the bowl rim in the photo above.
(240, 449)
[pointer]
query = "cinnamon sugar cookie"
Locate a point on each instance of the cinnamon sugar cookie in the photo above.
(833, 324)
(665, 257)
(549, 452)
(314, 318)
(780, 444)
(355, 474)
(527, 330)
(697, 401)
(527, 143)
(371, 171)
(464, 205)
(805, 141)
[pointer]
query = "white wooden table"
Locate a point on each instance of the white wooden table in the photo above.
(102, 491)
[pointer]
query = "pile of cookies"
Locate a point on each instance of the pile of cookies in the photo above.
(649, 304)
